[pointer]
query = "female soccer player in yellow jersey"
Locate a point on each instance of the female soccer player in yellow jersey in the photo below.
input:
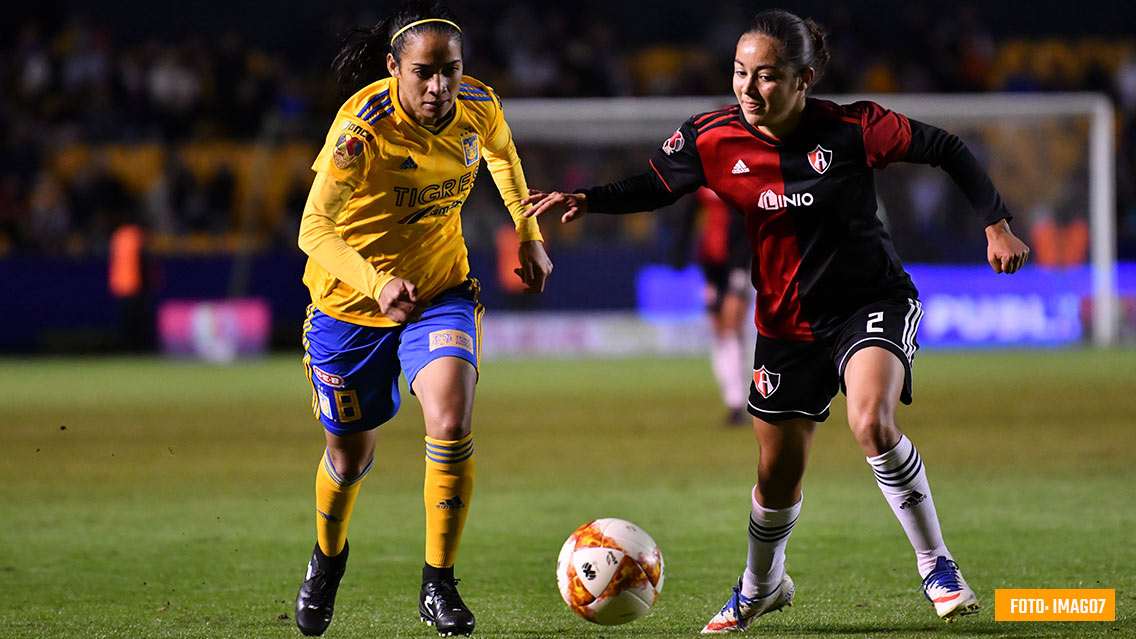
(389, 280)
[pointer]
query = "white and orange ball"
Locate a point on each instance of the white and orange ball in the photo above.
(610, 571)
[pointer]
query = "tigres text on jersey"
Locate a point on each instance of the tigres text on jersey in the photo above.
(405, 186)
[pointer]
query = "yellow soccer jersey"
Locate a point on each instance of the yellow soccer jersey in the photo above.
(405, 189)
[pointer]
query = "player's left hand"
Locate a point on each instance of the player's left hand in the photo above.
(535, 266)
(1005, 252)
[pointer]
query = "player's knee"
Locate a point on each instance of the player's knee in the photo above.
(873, 425)
(349, 466)
(447, 427)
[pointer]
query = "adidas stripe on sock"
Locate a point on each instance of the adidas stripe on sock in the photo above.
(903, 481)
(447, 490)
(769, 531)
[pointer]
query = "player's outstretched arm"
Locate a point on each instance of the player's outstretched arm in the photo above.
(1005, 252)
(572, 205)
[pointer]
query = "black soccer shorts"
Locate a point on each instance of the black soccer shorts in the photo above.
(796, 379)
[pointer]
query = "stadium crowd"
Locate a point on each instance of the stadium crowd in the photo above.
(209, 137)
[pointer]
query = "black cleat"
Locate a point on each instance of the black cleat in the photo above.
(316, 600)
(440, 605)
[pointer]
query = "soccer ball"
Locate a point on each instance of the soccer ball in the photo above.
(610, 571)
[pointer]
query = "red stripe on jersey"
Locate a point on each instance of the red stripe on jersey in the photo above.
(775, 270)
(741, 169)
(652, 163)
(723, 118)
(706, 117)
(887, 134)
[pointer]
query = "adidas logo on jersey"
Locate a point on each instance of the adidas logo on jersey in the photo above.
(409, 163)
(740, 167)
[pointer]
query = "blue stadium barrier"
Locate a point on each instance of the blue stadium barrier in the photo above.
(64, 305)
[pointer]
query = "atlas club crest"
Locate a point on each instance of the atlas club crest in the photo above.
(766, 381)
(820, 159)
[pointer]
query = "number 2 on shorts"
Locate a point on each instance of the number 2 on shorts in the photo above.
(874, 321)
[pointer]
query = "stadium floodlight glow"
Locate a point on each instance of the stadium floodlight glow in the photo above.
(645, 121)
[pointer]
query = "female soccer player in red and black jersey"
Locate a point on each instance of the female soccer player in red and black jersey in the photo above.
(835, 309)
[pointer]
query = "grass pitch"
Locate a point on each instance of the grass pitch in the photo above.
(143, 498)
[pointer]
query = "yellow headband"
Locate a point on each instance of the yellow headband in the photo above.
(415, 24)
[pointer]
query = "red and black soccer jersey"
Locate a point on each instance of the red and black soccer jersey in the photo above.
(809, 200)
(712, 232)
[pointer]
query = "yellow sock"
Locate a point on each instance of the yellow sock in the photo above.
(335, 499)
(447, 491)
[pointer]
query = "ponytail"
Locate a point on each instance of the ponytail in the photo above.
(363, 57)
(804, 43)
(361, 60)
(821, 55)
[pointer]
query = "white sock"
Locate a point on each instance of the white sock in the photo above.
(903, 481)
(726, 360)
(768, 535)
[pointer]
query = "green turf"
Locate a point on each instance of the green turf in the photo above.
(142, 498)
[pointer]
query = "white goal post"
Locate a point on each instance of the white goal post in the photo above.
(645, 121)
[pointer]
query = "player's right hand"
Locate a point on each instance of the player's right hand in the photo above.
(1004, 251)
(572, 205)
(399, 301)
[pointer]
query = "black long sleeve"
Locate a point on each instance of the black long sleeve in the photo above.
(934, 146)
(643, 192)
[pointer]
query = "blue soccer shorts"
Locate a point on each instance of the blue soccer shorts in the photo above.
(354, 369)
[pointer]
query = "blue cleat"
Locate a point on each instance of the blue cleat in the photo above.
(947, 590)
(740, 610)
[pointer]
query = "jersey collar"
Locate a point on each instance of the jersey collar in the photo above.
(757, 133)
(769, 139)
(423, 130)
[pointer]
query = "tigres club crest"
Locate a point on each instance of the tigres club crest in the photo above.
(820, 159)
(347, 149)
(766, 381)
(471, 149)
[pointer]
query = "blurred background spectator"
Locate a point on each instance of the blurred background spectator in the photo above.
(200, 120)
(204, 76)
